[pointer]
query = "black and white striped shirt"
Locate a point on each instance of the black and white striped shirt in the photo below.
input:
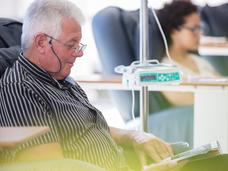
(29, 96)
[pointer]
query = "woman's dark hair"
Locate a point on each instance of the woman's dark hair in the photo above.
(173, 14)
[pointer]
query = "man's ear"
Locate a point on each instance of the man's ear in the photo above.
(41, 42)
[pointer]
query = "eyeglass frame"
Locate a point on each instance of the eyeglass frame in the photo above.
(193, 29)
(80, 47)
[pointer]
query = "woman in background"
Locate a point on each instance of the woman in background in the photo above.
(180, 21)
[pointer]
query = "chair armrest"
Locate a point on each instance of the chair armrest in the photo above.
(41, 152)
(45, 157)
(10, 137)
(51, 165)
(13, 136)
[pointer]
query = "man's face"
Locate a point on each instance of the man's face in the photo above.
(63, 47)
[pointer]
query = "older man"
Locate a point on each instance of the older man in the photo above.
(36, 91)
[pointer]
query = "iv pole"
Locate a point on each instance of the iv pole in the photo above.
(144, 53)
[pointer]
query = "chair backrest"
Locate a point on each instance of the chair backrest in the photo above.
(113, 45)
(7, 57)
(10, 32)
(116, 33)
(215, 21)
(10, 40)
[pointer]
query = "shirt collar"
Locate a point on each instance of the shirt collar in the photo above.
(38, 72)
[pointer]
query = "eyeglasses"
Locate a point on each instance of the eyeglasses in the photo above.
(193, 29)
(77, 48)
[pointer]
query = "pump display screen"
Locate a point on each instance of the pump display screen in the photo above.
(146, 78)
(159, 77)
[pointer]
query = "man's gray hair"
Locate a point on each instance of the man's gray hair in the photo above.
(46, 16)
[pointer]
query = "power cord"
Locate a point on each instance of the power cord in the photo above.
(133, 104)
(162, 34)
(167, 53)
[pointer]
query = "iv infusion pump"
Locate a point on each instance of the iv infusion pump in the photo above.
(148, 73)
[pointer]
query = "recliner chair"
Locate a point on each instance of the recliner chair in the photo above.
(116, 33)
(214, 18)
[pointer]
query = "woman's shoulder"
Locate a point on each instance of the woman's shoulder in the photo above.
(205, 67)
(200, 60)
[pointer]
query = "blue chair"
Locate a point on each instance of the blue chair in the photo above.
(116, 33)
(215, 21)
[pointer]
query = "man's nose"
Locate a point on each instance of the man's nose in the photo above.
(78, 54)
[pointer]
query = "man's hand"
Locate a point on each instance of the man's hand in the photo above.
(144, 144)
(148, 145)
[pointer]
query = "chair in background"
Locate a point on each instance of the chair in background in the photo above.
(215, 21)
(116, 33)
(10, 36)
(10, 32)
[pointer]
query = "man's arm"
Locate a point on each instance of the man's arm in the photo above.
(20, 106)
